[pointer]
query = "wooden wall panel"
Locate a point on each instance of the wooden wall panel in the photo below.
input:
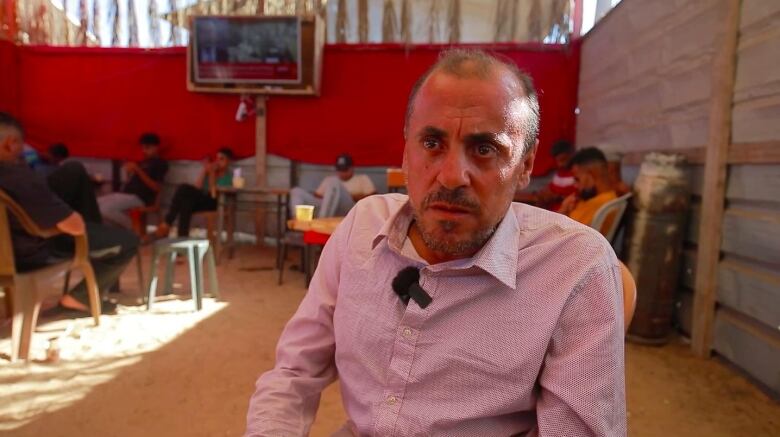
(757, 87)
(750, 290)
(750, 347)
(752, 234)
(645, 76)
(646, 85)
(760, 183)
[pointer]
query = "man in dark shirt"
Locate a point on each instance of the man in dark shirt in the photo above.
(145, 181)
(110, 249)
(69, 180)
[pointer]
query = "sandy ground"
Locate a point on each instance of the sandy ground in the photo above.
(176, 372)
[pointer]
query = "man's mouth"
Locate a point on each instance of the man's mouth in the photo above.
(448, 208)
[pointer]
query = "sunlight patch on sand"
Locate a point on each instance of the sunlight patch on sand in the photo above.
(88, 355)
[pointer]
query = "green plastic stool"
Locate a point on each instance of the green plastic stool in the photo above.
(197, 251)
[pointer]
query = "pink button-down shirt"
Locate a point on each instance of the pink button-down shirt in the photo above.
(524, 337)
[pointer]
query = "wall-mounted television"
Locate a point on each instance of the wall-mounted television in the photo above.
(255, 54)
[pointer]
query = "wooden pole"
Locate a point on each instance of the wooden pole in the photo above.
(363, 21)
(577, 19)
(260, 163)
(716, 154)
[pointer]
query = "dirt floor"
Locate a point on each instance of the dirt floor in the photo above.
(176, 372)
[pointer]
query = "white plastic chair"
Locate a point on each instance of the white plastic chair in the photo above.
(615, 209)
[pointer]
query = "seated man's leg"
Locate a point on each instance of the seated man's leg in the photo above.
(114, 208)
(199, 200)
(110, 250)
(299, 196)
(71, 183)
(336, 200)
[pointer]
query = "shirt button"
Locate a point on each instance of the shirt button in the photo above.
(407, 332)
(391, 400)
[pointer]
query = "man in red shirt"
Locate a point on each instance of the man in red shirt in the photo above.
(562, 183)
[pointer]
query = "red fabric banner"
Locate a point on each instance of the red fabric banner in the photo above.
(9, 77)
(365, 90)
(98, 101)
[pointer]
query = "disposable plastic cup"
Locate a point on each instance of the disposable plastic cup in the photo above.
(304, 213)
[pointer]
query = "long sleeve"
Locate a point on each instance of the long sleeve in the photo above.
(287, 397)
(582, 384)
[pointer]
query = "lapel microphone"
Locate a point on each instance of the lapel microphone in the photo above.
(406, 285)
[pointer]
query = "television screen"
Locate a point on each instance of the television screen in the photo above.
(255, 50)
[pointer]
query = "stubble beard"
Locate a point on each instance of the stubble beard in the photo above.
(451, 247)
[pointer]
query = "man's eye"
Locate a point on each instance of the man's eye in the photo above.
(486, 150)
(431, 143)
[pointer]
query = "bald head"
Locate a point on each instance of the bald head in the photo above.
(477, 64)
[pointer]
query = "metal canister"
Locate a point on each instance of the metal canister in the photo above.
(654, 243)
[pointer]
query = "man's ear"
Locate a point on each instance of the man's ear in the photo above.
(527, 166)
(5, 145)
(405, 168)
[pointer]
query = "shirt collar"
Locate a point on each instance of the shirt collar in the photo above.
(395, 228)
(498, 257)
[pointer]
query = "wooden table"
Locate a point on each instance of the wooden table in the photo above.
(324, 225)
(227, 202)
(317, 230)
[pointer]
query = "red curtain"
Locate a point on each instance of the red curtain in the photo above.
(9, 77)
(364, 94)
(98, 101)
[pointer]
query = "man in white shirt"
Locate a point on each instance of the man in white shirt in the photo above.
(336, 194)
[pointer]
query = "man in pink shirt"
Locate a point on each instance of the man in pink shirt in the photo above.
(499, 334)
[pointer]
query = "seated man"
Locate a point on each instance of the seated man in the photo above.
(54, 156)
(491, 332)
(594, 187)
(74, 186)
(189, 199)
(144, 183)
(113, 249)
(562, 183)
(336, 194)
(70, 181)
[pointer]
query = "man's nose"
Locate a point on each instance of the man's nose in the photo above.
(455, 170)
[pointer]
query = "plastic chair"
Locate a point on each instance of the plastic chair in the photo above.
(607, 219)
(197, 251)
(629, 295)
(22, 298)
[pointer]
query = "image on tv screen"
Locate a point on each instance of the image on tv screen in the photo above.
(247, 50)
